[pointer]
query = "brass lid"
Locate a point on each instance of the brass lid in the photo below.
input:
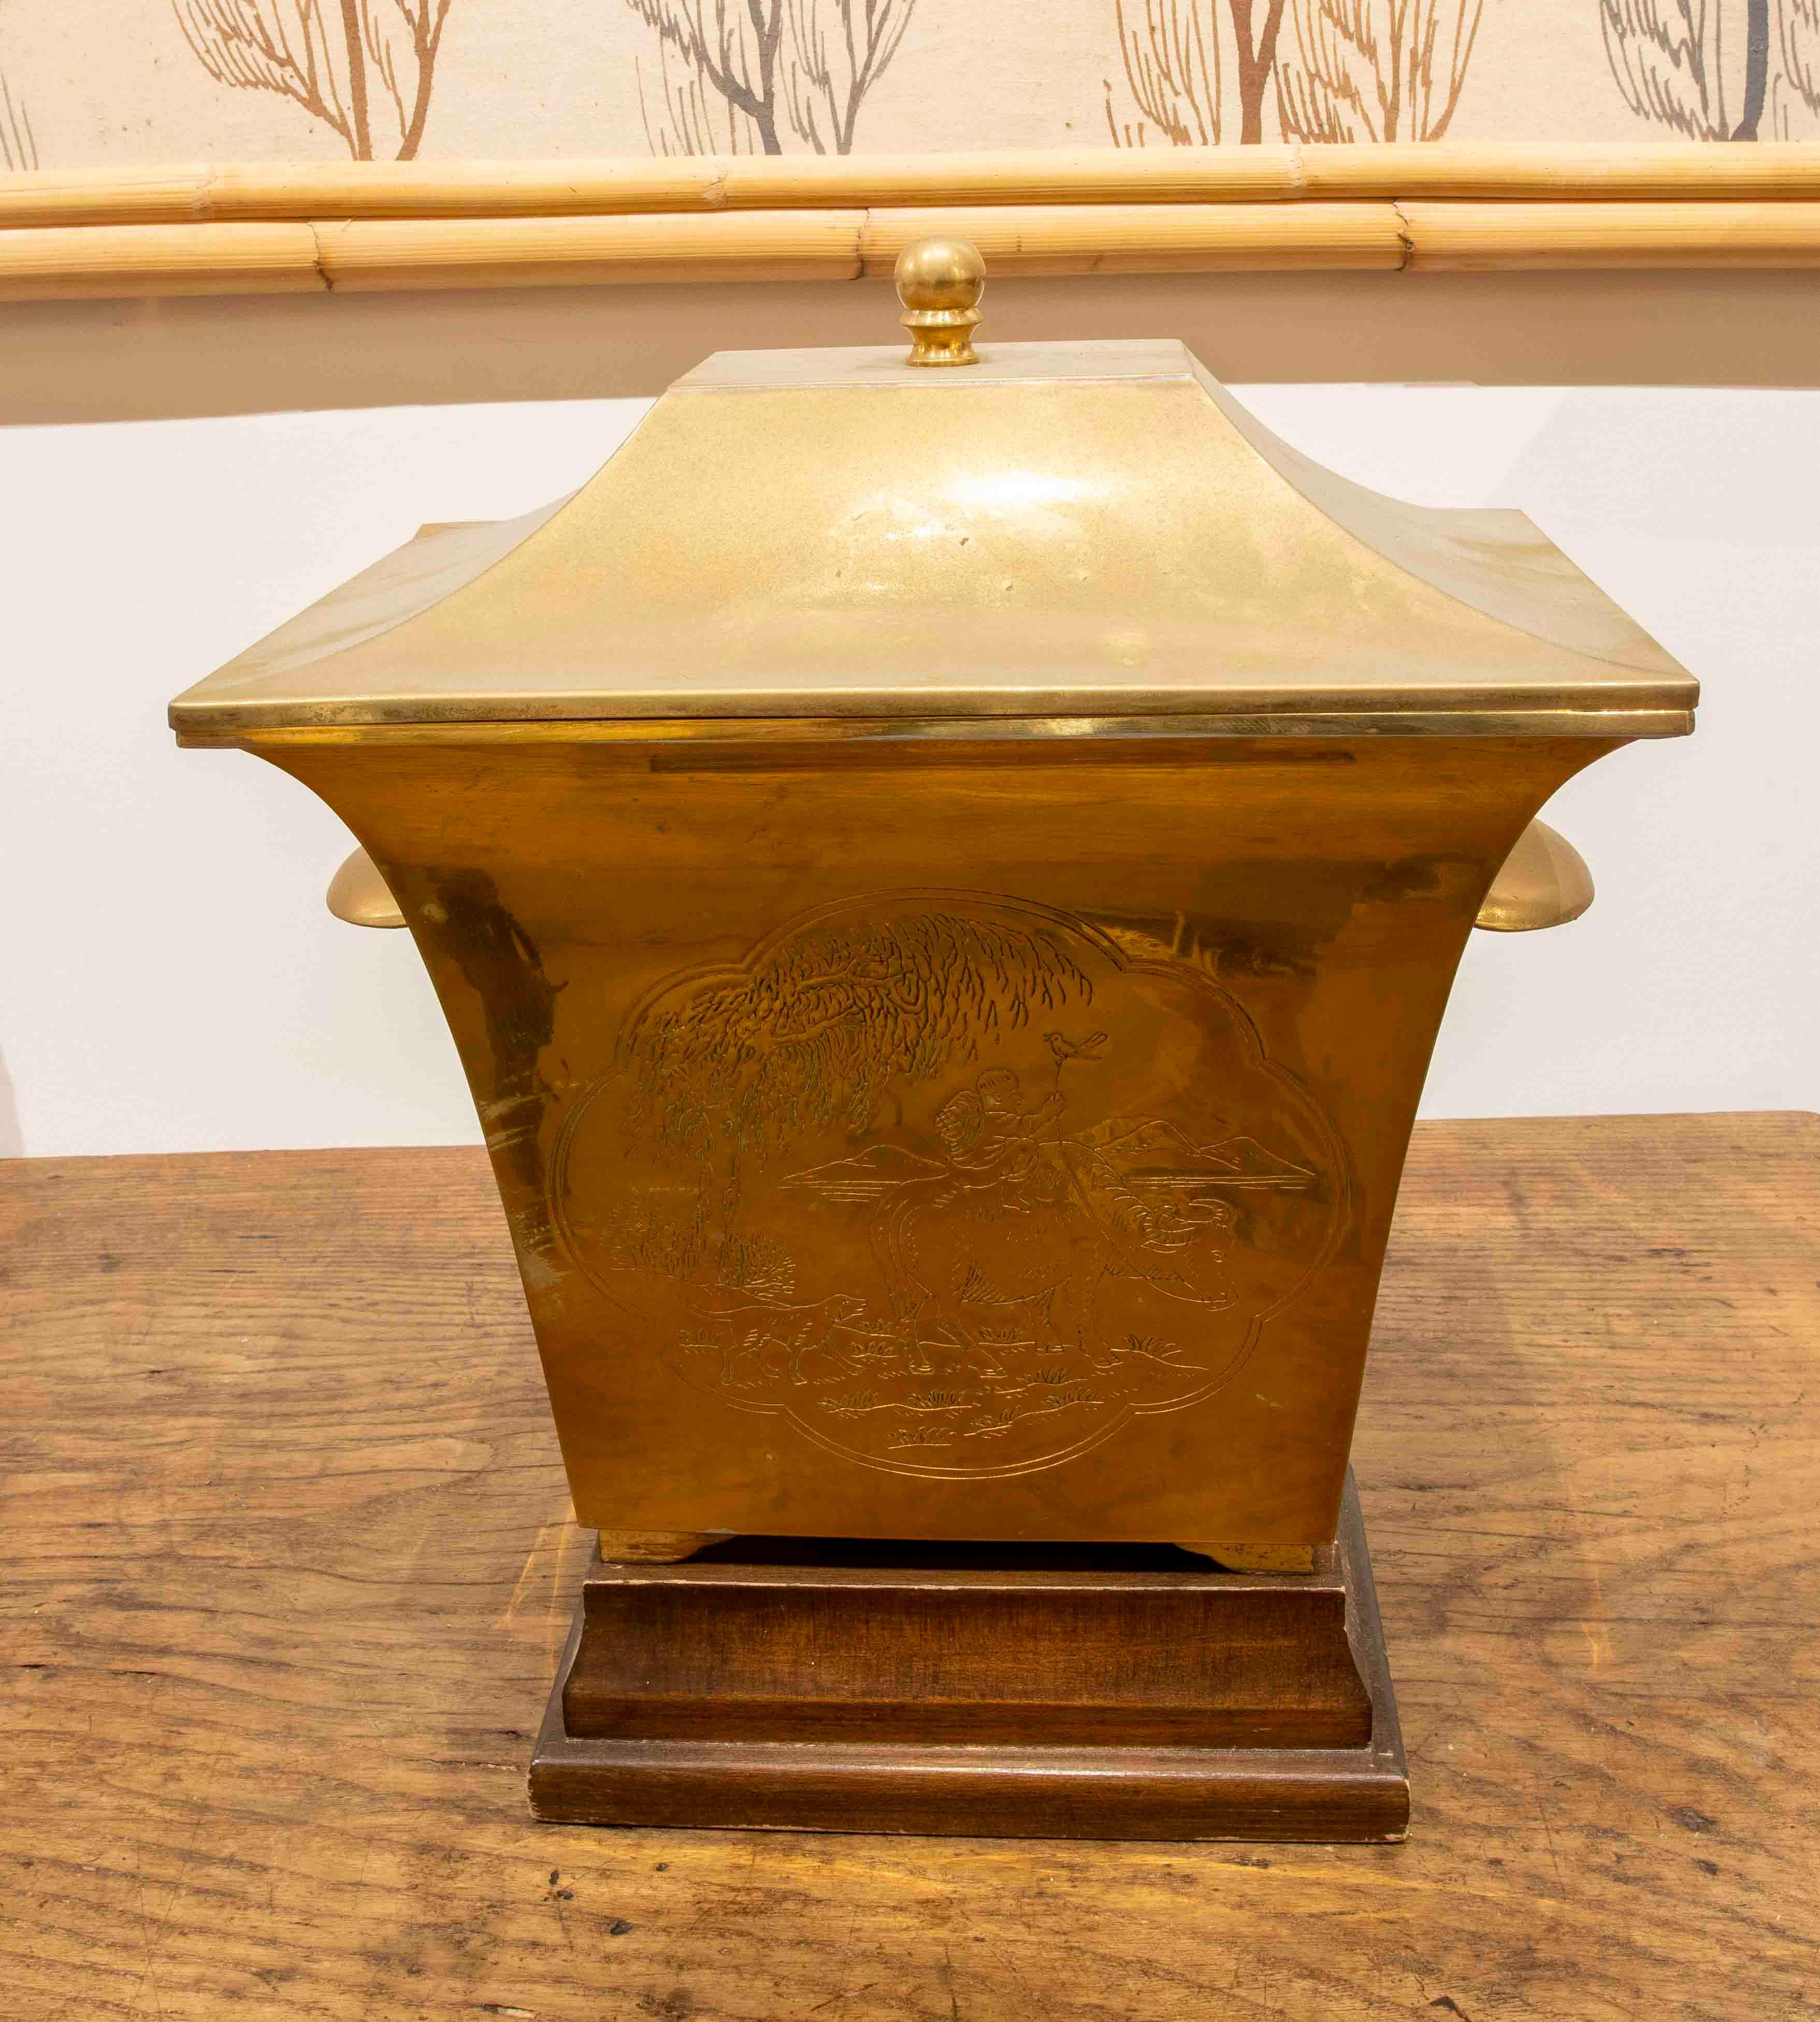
(1073, 530)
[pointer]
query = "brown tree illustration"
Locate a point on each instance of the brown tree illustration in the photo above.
(18, 143)
(335, 58)
(738, 75)
(1175, 68)
(1375, 70)
(1674, 60)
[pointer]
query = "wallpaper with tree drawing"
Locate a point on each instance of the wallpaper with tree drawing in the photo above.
(18, 142)
(86, 81)
(363, 67)
(753, 76)
(1717, 70)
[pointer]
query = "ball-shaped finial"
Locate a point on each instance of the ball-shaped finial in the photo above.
(939, 281)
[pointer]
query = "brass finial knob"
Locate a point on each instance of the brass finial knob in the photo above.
(939, 281)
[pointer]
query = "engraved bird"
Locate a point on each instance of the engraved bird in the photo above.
(1065, 1048)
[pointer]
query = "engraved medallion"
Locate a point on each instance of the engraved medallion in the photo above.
(948, 1181)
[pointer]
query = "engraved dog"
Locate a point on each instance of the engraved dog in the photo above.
(747, 1337)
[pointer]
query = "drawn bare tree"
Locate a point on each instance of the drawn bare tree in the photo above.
(1257, 56)
(1175, 68)
(682, 116)
(18, 143)
(1795, 96)
(1669, 60)
(1375, 70)
(835, 64)
(335, 58)
(747, 72)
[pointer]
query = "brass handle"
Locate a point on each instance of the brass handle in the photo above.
(359, 895)
(1543, 882)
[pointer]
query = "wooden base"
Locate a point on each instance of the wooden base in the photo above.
(1048, 1692)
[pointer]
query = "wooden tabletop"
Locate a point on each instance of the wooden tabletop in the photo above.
(289, 1566)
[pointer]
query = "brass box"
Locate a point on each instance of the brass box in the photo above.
(944, 884)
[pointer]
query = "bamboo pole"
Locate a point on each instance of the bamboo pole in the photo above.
(58, 262)
(1591, 172)
(303, 192)
(103, 196)
(1076, 176)
(558, 252)
(62, 263)
(1492, 238)
(1152, 239)
(464, 189)
(801, 182)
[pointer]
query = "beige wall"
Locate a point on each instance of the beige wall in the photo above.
(104, 361)
(116, 81)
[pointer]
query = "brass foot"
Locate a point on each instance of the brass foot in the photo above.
(654, 1548)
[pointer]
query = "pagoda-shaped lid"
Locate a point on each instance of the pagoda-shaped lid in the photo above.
(1080, 530)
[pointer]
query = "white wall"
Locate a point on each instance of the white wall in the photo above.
(173, 981)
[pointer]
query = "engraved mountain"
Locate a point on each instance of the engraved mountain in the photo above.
(867, 1175)
(1157, 1154)
(948, 1182)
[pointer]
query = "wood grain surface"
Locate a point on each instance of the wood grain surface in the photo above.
(288, 1568)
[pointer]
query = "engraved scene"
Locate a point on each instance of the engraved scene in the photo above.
(948, 1181)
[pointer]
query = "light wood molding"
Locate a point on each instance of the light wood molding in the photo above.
(300, 192)
(565, 251)
(233, 230)
(62, 263)
(1150, 238)
(1485, 238)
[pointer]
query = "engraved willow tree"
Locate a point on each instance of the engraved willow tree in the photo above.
(1690, 65)
(361, 67)
(1375, 69)
(739, 76)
